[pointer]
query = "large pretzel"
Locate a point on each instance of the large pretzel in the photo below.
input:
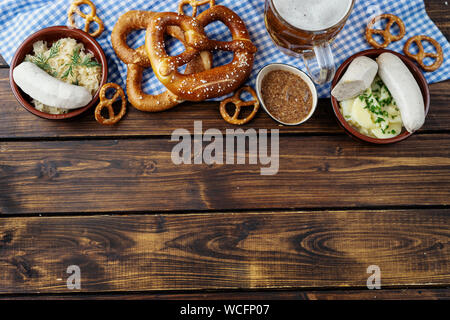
(208, 84)
(108, 103)
(127, 23)
(236, 100)
(194, 4)
(421, 55)
(91, 17)
(386, 33)
(137, 61)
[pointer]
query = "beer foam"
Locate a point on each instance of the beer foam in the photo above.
(312, 15)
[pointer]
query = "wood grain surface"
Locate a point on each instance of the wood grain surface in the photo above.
(139, 175)
(16, 122)
(111, 201)
(329, 249)
(355, 294)
(439, 12)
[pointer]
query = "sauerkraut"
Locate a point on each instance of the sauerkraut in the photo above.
(68, 61)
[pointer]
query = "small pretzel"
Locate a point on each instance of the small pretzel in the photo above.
(91, 17)
(137, 61)
(194, 4)
(386, 33)
(236, 100)
(108, 103)
(208, 84)
(421, 55)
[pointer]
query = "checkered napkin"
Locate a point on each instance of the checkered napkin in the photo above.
(21, 18)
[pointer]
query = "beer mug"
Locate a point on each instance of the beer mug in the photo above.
(306, 28)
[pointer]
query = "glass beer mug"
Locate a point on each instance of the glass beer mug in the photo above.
(306, 28)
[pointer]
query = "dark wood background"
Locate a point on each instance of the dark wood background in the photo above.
(111, 201)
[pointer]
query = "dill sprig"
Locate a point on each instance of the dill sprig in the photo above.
(76, 61)
(42, 62)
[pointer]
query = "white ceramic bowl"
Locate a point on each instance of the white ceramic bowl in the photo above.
(284, 67)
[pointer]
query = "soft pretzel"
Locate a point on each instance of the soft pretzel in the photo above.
(127, 23)
(208, 84)
(137, 61)
(421, 55)
(236, 100)
(386, 33)
(108, 103)
(194, 4)
(163, 101)
(91, 17)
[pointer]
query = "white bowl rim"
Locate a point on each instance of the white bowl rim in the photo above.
(297, 71)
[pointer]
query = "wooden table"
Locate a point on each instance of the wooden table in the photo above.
(111, 201)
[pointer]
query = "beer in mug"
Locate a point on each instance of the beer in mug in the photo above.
(306, 28)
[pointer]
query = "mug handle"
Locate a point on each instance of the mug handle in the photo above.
(320, 63)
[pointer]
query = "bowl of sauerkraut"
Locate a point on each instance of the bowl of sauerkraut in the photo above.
(69, 55)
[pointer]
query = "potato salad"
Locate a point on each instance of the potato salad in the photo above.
(374, 113)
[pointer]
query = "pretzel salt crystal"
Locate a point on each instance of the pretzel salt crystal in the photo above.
(108, 103)
(421, 55)
(386, 33)
(91, 17)
(236, 100)
(208, 84)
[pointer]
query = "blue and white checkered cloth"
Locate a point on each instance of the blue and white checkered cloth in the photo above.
(21, 18)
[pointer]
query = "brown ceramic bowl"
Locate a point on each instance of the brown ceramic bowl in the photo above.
(374, 53)
(51, 35)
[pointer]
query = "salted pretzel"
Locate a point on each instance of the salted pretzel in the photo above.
(91, 17)
(108, 103)
(194, 4)
(127, 23)
(421, 55)
(386, 33)
(137, 61)
(163, 101)
(239, 104)
(208, 84)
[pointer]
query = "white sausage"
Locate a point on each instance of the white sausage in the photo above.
(404, 89)
(358, 78)
(51, 91)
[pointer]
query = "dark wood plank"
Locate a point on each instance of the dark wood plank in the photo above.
(225, 251)
(139, 175)
(390, 294)
(16, 122)
(439, 12)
